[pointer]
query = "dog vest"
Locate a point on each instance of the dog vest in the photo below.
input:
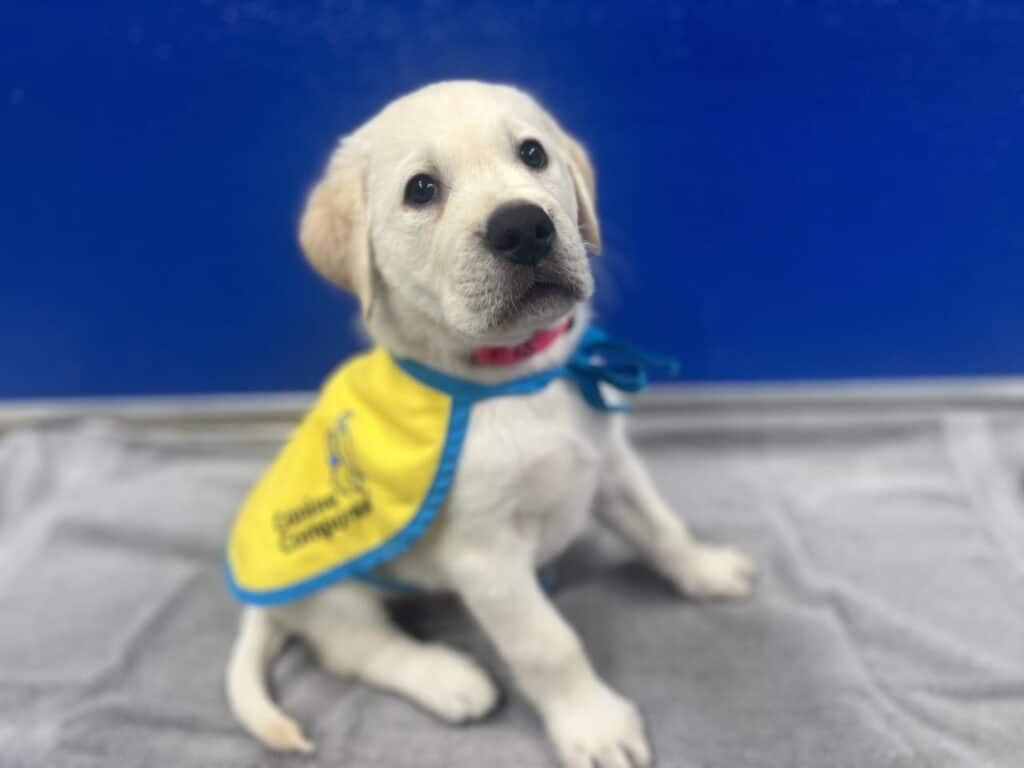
(367, 470)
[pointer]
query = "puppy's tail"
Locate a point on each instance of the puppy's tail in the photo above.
(258, 641)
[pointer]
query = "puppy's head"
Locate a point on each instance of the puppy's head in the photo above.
(463, 202)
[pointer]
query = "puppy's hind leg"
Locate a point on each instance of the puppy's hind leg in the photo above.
(353, 636)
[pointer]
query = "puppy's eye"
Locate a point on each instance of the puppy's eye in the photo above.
(533, 154)
(421, 190)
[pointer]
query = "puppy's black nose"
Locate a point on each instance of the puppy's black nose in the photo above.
(520, 232)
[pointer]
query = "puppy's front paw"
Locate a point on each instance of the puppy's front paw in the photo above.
(710, 572)
(598, 729)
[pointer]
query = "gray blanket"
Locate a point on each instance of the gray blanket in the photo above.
(887, 627)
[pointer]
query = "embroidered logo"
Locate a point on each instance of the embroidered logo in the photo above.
(346, 476)
(323, 517)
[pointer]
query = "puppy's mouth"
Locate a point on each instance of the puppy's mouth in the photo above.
(548, 291)
(496, 300)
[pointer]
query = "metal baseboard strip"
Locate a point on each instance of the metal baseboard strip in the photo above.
(234, 409)
(699, 406)
(930, 394)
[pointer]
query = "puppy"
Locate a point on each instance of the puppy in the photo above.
(461, 216)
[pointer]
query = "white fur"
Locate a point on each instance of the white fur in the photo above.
(534, 468)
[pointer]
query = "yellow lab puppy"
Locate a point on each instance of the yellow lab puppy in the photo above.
(461, 216)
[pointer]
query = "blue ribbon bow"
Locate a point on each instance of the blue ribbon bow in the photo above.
(600, 359)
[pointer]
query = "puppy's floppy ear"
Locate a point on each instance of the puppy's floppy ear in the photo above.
(584, 181)
(334, 231)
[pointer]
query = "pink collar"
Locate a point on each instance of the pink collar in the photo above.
(540, 341)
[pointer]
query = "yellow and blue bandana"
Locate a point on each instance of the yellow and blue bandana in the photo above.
(366, 471)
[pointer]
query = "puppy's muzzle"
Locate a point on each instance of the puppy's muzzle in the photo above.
(520, 232)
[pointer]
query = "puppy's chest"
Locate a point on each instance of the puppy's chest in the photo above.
(533, 462)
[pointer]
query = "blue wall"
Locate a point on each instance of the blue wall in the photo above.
(789, 189)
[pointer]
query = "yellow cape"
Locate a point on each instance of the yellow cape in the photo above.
(369, 467)
(359, 480)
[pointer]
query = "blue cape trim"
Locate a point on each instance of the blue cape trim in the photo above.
(597, 359)
(472, 391)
